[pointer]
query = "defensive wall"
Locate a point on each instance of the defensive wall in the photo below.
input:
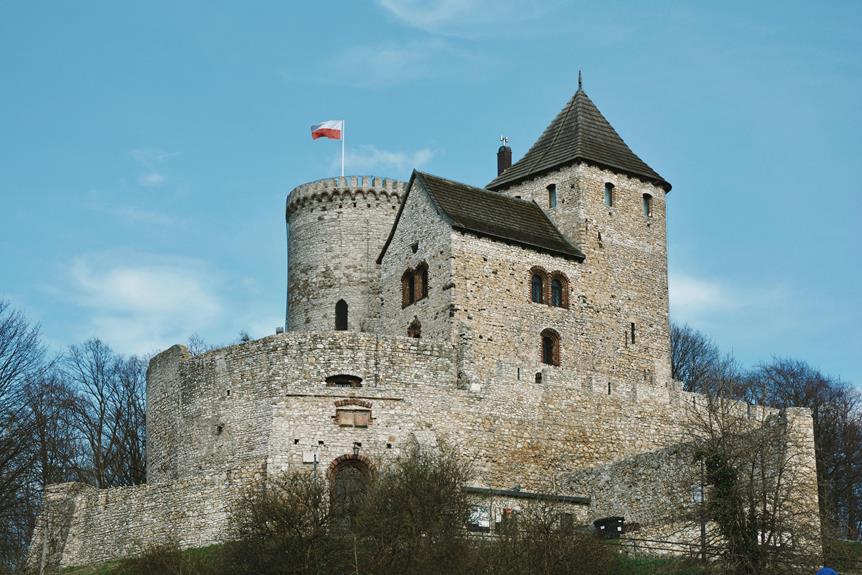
(219, 419)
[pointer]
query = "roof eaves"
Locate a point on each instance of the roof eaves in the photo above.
(575, 254)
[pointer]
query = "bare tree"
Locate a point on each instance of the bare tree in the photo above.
(109, 412)
(759, 471)
(22, 358)
(694, 357)
(836, 408)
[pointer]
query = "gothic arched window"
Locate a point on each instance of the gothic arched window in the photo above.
(550, 347)
(341, 315)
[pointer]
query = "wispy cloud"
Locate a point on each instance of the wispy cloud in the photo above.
(466, 18)
(140, 303)
(151, 180)
(371, 159)
(150, 159)
(385, 64)
(692, 297)
(140, 215)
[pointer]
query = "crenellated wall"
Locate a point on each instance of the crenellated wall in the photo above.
(336, 228)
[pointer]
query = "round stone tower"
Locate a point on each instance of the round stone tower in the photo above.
(335, 230)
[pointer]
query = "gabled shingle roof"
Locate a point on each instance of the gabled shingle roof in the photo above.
(491, 214)
(579, 133)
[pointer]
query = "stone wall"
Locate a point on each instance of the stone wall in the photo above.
(82, 525)
(419, 226)
(336, 228)
(623, 279)
(279, 415)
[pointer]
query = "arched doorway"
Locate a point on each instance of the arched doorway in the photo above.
(349, 477)
(341, 315)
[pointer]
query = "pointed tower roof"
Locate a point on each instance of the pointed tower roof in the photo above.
(579, 133)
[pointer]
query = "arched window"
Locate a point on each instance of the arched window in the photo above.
(556, 292)
(559, 290)
(647, 204)
(609, 195)
(550, 347)
(406, 288)
(552, 196)
(341, 315)
(537, 289)
(414, 285)
(415, 328)
(421, 281)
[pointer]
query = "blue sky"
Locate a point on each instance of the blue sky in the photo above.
(146, 148)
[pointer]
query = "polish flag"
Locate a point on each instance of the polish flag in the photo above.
(330, 129)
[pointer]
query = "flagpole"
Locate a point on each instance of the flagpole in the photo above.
(343, 136)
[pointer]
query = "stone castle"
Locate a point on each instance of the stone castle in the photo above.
(524, 323)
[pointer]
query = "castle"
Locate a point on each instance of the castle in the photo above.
(524, 323)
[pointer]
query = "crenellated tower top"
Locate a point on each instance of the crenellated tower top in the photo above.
(341, 188)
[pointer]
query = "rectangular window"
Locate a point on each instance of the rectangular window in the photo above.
(609, 195)
(480, 519)
(552, 196)
(633, 332)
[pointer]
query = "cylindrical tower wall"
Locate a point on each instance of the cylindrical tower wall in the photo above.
(336, 228)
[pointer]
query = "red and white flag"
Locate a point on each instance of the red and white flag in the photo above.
(332, 129)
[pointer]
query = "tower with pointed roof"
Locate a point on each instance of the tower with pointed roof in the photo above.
(610, 204)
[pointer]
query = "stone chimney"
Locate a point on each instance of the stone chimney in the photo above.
(504, 156)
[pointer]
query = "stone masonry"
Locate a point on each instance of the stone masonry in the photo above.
(594, 427)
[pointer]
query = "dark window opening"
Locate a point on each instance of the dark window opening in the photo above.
(552, 196)
(609, 388)
(632, 332)
(647, 205)
(539, 377)
(341, 315)
(343, 380)
(414, 247)
(556, 293)
(550, 347)
(609, 195)
(415, 328)
(538, 288)
(414, 285)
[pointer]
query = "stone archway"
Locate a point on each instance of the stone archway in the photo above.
(349, 476)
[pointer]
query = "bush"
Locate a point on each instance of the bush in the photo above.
(167, 559)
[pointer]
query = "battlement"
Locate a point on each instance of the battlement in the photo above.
(344, 188)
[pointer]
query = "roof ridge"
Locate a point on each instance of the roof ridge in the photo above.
(476, 188)
(562, 122)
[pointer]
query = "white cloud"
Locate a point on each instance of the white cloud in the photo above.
(151, 180)
(691, 297)
(140, 304)
(370, 159)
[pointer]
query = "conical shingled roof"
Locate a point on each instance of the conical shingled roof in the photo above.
(579, 133)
